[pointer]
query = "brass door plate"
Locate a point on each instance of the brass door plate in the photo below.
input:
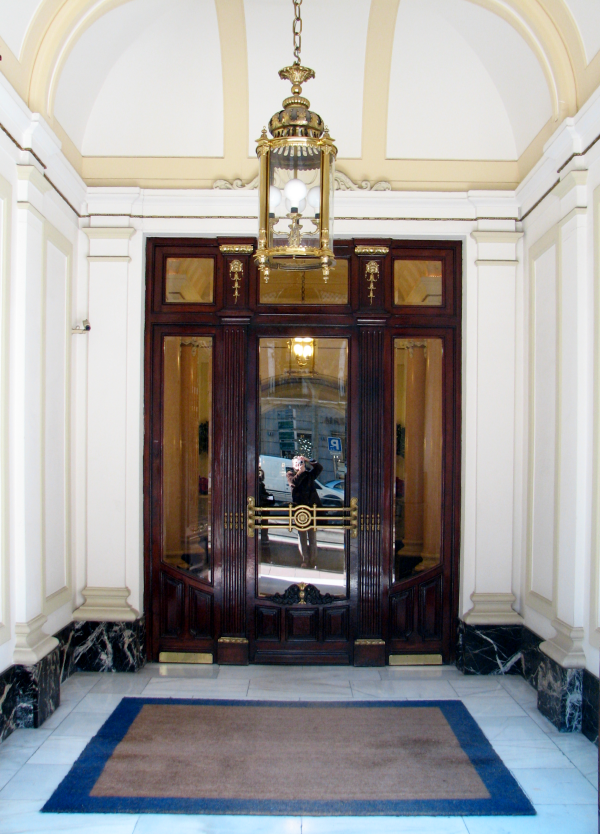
(185, 657)
(415, 660)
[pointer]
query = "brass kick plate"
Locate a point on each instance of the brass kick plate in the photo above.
(185, 657)
(415, 660)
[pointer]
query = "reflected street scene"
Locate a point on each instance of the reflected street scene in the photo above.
(303, 512)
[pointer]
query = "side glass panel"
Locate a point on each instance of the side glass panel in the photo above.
(418, 283)
(418, 487)
(303, 407)
(306, 287)
(187, 453)
(190, 281)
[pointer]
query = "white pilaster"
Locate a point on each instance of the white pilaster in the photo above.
(26, 421)
(106, 589)
(574, 425)
(497, 265)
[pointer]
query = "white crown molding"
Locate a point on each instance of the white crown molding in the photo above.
(32, 644)
(106, 605)
(574, 145)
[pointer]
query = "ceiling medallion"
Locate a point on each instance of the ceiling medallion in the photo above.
(296, 180)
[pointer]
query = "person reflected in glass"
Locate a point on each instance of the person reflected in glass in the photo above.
(265, 499)
(304, 491)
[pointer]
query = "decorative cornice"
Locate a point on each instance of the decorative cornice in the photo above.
(342, 183)
(236, 249)
(371, 250)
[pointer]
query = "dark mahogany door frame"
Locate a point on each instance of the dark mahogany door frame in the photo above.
(382, 618)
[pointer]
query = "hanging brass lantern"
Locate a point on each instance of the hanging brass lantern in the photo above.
(296, 181)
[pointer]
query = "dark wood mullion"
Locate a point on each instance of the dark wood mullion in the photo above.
(369, 647)
(233, 645)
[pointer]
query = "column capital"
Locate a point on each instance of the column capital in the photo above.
(496, 248)
(572, 193)
(109, 243)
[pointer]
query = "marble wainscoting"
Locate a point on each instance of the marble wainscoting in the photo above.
(489, 649)
(29, 694)
(566, 697)
(560, 697)
(102, 647)
(589, 707)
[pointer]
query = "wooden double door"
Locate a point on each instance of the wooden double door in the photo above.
(302, 458)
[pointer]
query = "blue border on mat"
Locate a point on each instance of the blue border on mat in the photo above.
(73, 793)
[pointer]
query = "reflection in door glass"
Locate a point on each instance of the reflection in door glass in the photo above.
(302, 462)
(186, 473)
(418, 489)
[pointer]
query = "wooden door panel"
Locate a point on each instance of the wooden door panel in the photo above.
(402, 608)
(268, 623)
(385, 610)
(335, 623)
(172, 605)
(302, 624)
(430, 609)
(200, 613)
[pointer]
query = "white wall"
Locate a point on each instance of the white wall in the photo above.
(560, 566)
(71, 427)
(38, 245)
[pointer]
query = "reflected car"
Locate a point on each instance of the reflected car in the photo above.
(336, 484)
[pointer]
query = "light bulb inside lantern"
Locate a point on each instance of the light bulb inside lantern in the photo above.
(274, 197)
(295, 191)
(293, 208)
(314, 198)
(297, 349)
(307, 351)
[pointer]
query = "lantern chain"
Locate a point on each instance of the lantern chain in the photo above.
(297, 29)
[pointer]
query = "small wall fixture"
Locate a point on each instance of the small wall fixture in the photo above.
(84, 327)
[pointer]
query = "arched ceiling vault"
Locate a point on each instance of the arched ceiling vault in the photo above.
(547, 27)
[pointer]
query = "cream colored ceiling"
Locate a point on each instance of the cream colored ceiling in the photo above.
(421, 93)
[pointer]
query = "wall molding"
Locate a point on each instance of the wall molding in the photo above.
(492, 609)
(32, 644)
(106, 605)
(6, 196)
(566, 647)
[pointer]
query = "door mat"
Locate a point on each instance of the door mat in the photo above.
(291, 758)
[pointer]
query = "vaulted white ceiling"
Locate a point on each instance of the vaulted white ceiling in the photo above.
(397, 81)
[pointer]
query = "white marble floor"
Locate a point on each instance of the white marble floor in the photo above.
(558, 772)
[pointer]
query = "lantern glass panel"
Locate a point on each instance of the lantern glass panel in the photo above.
(294, 196)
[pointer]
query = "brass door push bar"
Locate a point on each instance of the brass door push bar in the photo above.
(302, 518)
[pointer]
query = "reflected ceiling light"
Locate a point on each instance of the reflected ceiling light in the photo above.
(302, 350)
(296, 182)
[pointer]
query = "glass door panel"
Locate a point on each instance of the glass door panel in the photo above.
(418, 482)
(302, 500)
(186, 478)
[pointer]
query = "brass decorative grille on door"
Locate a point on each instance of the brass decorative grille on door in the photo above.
(302, 518)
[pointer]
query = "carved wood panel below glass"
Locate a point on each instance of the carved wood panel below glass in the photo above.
(418, 282)
(190, 280)
(418, 483)
(303, 412)
(306, 286)
(186, 471)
